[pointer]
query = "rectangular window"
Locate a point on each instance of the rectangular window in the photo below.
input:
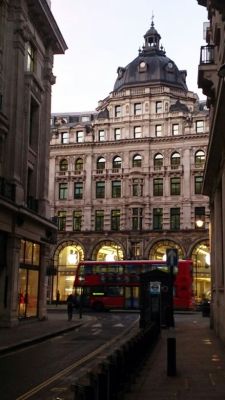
(158, 130)
(199, 127)
(117, 133)
(78, 190)
(200, 217)
(115, 220)
(137, 132)
(34, 123)
(116, 189)
(137, 187)
(99, 220)
(137, 109)
(175, 129)
(79, 136)
(100, 190)
(101, 136)
(85, 118)
(65, 137)
(158, 187)
(63, 191)
(175, 186)
(30, 57)
(77, 219)
(117, 111)
(157, 219)
(158, 107)
(137, 214)
(62, 220)
(175, 219)
(135, 249)
(198, 184)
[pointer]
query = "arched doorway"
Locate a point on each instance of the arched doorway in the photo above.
(202, 271)
(66, 258)
(158, 250)
(108, 251)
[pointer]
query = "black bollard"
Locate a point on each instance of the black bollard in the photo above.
(171, 356)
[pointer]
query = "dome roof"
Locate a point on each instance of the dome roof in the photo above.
(151, 67)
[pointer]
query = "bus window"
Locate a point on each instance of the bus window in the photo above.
(114, 291)
(87, 269)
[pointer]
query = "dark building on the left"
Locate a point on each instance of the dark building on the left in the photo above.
(29, 38)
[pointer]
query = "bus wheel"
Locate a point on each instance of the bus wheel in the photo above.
(98, 306)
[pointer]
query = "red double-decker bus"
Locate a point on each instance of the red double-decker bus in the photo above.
(116, 284)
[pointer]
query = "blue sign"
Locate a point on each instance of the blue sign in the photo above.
(171, 257)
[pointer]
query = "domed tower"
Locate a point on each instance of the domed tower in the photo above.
(151, 67)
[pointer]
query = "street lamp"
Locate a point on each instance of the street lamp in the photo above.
(199, 223)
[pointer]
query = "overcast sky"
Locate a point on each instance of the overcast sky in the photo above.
(104, 34)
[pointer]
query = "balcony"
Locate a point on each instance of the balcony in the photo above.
(7, 189)
(207, 71)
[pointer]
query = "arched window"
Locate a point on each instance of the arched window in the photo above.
(175, 160)
(101, 163)
(117, 162)
(63, 165)
(158, 161)
(199, 158)
(137, 160)
(79, 164)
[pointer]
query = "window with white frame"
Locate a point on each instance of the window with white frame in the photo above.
(199, 126)
(175, 129)
(30, 57)
(137, 132)
(117, 133)
(101, 135)
(65, 137)
(158, 130)
(117, 111)
(79, 136)
(158, 107)
(137, 109)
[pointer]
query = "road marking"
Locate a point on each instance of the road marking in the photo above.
(65, 371)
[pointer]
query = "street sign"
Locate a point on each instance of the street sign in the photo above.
(171, 257)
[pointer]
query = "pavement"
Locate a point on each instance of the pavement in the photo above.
(32, 331)
(199, 364)
(199, 356)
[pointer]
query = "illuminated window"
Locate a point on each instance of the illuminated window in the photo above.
(30, 57)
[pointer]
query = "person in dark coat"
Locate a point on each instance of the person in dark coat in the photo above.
(70, 307)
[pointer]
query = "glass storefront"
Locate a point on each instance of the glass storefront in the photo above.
(28, 279)
(67, 260)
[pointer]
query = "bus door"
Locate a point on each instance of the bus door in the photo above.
(131, 294)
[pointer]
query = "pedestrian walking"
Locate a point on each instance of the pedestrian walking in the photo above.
(70, 307)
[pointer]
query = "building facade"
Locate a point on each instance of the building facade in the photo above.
(125, 180)
(211, 77)
(29, 38)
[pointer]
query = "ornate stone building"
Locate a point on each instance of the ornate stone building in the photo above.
(211, 77)
(29, 38)
(126, 179)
